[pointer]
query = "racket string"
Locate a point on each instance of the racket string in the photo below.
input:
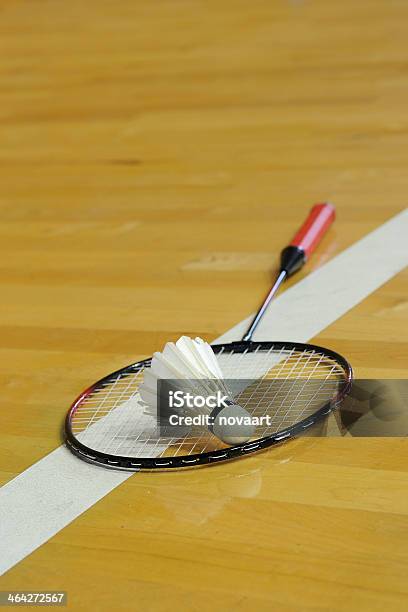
(281, 386)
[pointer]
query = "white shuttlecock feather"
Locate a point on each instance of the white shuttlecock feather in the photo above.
(194, 363)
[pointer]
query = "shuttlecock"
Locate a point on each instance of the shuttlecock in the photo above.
(192, 366)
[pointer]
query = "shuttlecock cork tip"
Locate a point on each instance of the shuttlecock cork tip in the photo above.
(233, 425)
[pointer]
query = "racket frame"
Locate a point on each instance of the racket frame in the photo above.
(126, 463)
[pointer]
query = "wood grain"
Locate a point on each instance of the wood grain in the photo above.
(154, 159)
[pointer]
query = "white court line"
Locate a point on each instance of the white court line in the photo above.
(50, 494)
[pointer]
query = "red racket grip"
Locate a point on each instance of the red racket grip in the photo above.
(313, 229)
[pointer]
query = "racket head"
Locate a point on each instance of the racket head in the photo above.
(107, 425)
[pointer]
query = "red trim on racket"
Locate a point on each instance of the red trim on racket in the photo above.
(313, 229)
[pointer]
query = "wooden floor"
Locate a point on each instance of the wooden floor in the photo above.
(154, 159)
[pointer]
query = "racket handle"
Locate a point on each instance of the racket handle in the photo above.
(296, 253)
(294, 256)
(313, 229)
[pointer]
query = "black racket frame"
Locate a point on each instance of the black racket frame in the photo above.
(211, 457)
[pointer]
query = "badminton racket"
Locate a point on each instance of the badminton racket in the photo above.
(294, 385)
